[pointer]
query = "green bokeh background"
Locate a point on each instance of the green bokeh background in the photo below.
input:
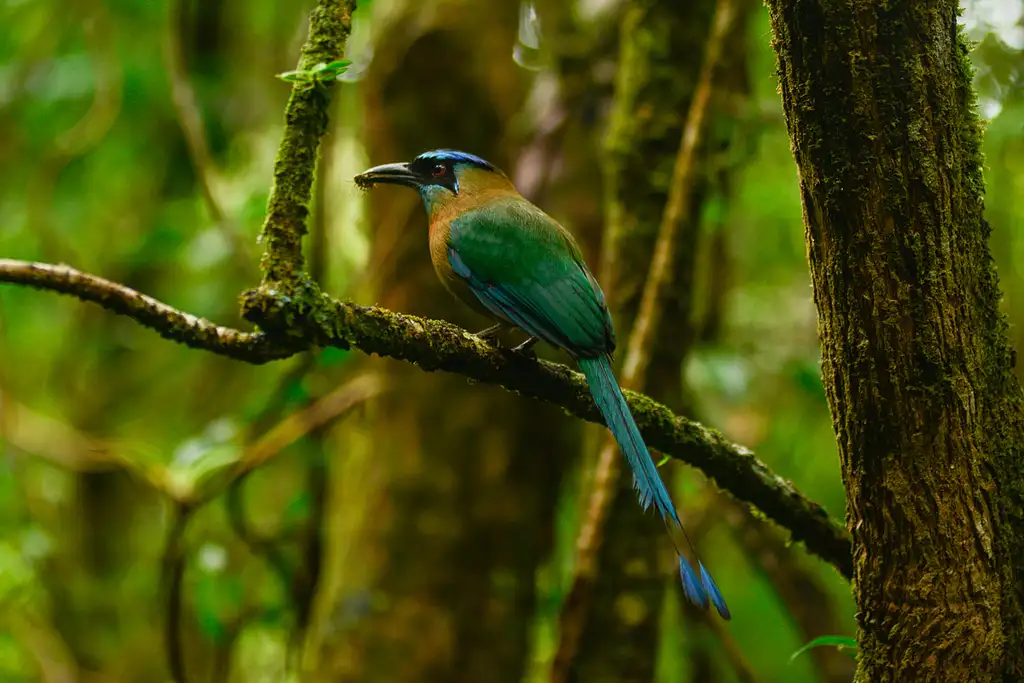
(96, 173)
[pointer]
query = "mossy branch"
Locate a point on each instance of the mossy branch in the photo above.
(308, 319)
(167, 321)
(305, 123)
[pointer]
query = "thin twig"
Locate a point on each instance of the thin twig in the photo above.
(27, 431)
(320, 242)
(799, 588)
(319, 320)
(173, 581)
(745, 673)
(270, 413)
(187, 109)
(38, 634)
(260, 545)
(87, 132)
(701, 514)
(680, 197)
(318, 415)
(640, 346)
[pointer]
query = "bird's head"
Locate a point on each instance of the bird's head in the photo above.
(440, 176)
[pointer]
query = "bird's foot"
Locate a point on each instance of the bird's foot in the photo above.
(526, 348)
(490, 335)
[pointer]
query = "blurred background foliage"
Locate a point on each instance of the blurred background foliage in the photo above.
(395, 525)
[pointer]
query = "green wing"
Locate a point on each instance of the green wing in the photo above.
(526, 268)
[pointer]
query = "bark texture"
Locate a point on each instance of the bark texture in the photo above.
(915, 358)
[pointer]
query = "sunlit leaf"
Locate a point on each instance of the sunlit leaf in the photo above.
(842, 643)
(318, 74)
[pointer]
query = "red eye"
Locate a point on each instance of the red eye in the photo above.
(438, 170)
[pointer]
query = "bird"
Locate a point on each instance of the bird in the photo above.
(501, 255)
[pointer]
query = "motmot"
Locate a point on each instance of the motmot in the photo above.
(504, 257)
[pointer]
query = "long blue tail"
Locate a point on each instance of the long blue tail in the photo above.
(699, 588)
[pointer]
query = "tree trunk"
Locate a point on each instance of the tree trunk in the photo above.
(915, 358)
(466, 477)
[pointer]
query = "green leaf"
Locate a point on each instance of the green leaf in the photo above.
(203, 466)
(318, 75)
(338, 65)
(664, 459)
(841, 643)
(292, 76)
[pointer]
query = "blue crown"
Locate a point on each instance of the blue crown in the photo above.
(457, 157)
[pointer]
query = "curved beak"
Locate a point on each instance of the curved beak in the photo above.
(393, 174)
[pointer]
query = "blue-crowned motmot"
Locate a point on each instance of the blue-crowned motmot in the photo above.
(513, 263)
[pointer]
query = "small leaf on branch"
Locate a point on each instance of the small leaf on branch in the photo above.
(841, 643)
(324, 72)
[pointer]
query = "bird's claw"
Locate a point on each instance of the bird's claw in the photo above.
(526, 348)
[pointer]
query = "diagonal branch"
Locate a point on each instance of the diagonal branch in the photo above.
(186, 107)
(312, 319)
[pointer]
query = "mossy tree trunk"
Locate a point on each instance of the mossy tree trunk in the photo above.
(466, 476)
(661, 54)
(915, 358)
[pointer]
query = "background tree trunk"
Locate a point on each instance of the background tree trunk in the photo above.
(915, 358)
(622, 632)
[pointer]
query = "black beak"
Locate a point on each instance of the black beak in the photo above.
(393, 174)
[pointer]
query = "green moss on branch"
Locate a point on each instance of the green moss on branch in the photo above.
(167, 321)
(305, 123)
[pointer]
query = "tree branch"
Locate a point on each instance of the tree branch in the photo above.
(168, 322)
(314, 319)
(305, 123)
